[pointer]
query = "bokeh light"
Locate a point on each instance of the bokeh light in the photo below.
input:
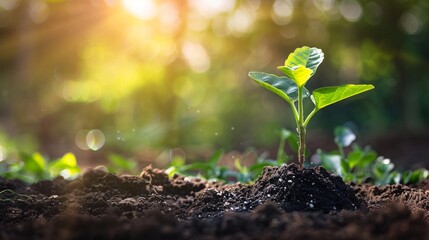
(80, 139)
(39, 11)
(143, 9)
(90, 139)
(351, 10)
(8, 4)
(196, 56)
(209, 8)
(410, 23)
(282, 12)
(95, 139)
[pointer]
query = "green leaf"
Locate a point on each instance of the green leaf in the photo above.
(417, 176)
(241, 169)
(299, 74)
(326, 96)
(196, 166)
(309, 57)
(395, 177)
(35, 164)
(178, 162)
(285, 134)
(68, 159)
(368, 156)
(120, 164)
(171, 171)
(344, 136)
(65, 166)
(332, 162)
(215, 157)
(302, 64)
(381, 170)
(361, 158)
(282, 86)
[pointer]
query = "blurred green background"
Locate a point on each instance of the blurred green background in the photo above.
(149, 79)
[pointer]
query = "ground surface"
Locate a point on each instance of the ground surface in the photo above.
(284, 203)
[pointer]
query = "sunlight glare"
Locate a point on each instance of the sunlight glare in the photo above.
(211, 8)
(142, 9)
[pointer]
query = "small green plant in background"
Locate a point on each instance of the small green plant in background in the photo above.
(361, 165)
(248, 174)
(119, 164)
(350, 161)
(34, 167)
(298, 68)
(211, 170)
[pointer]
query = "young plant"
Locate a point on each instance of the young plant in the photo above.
(211, 169)
(34, 167)
(360, 165)
(120, 164)
(298, 68)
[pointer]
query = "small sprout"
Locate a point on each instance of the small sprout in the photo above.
(35, 167)
(361, 165)
(298, 68)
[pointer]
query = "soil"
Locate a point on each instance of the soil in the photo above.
(284, 203)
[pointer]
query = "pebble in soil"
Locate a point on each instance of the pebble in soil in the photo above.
(288, 187)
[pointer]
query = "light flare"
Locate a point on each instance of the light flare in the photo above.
(142, 9)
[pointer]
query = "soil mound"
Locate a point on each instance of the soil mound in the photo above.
(289, 187)
(312, 189)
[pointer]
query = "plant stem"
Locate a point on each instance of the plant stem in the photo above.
(341, 150)
(301, 129)
(301, 149)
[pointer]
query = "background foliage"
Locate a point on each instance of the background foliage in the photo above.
(154, 79)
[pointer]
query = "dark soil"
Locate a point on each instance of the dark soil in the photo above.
(284, 203)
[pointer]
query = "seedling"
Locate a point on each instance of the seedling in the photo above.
(298, 68)
(120, 164)
(211, 170)
(34, 167)
(361, 165)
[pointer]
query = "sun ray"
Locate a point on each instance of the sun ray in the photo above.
(42, 39)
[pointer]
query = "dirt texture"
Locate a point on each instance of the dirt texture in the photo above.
(284, 203)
